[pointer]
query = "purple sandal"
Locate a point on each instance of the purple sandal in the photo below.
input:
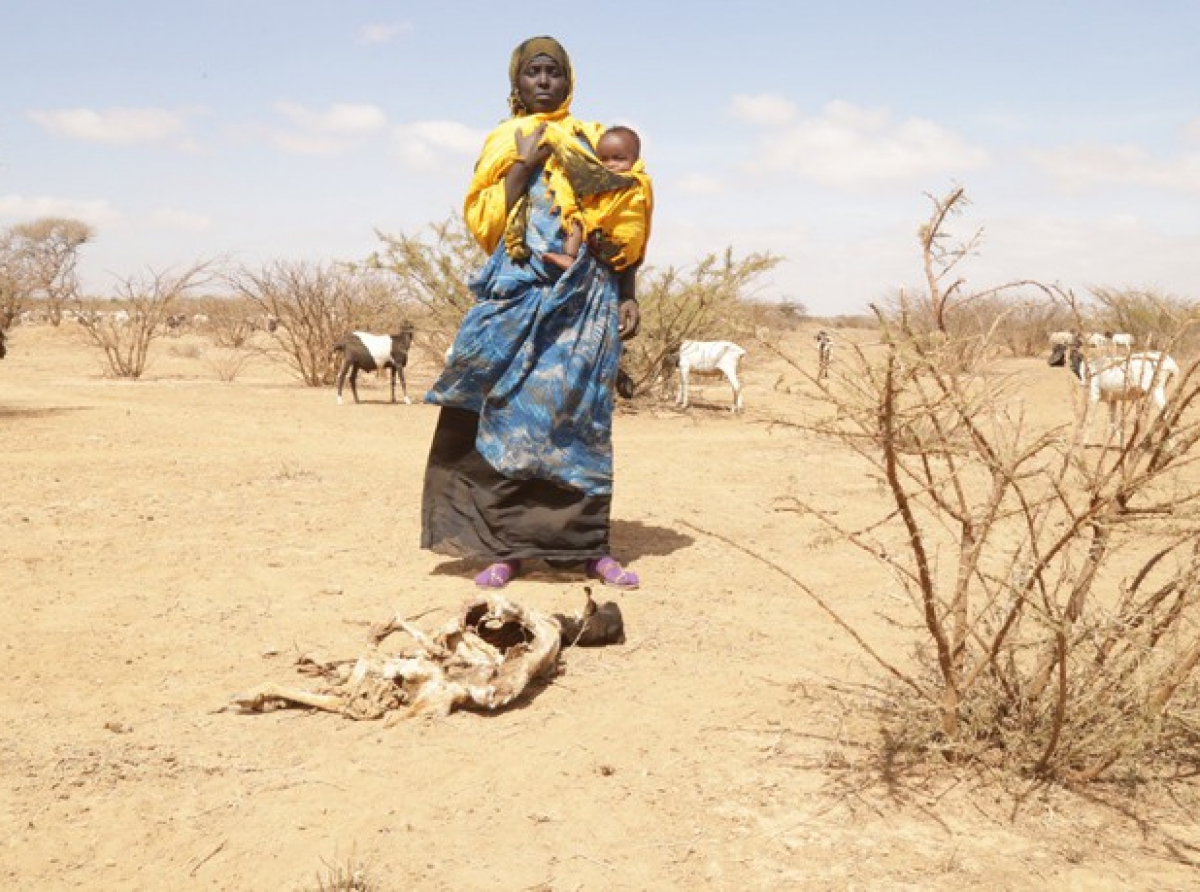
(611, 573)
(498, 574)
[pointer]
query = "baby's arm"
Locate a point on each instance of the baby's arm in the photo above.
(570, 249)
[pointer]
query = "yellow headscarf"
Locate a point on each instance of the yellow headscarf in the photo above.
(537, 46)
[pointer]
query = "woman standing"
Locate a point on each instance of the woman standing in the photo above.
(521, 461)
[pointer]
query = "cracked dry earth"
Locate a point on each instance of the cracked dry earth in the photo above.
(171, 542)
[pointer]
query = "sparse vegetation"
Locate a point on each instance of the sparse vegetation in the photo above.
(431, 276)
(314, 305)
(1055, 587)
(124, 335)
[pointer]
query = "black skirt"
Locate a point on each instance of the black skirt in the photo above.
(470, 510)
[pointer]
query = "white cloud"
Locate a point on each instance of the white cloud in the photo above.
(700, 184)
(764, 110)
(383, 32)
(1082, 167)
(326, 132)
(850, 145)
(338, 119)
(436, 145)
(23, 207)
(114, 125)
(183, 221)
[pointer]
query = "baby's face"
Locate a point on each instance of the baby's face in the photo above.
(616, 152)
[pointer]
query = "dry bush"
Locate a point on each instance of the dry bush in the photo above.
(227, 363)
(232, 322)
(709, 301)
(431, 275)
(1154, 319)
(1056, 589)
(1022, 323)
(948, 312)
(145, 301)
(349, 875)
(315, 305)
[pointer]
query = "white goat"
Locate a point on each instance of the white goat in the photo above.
(1063, 338)
(1117, 382)
(707, 358)
(1122, 340)
(1097, 341)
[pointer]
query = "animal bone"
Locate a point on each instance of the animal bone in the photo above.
(487, 657)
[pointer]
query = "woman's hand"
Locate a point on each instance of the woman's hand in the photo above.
(532, 154)
(530, 148)
(629, 319)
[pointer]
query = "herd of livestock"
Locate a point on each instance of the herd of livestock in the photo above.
(1105, 364)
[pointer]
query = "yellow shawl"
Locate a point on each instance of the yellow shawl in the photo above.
(619, 205)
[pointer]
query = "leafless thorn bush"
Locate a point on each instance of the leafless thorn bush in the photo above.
(227, 363)
(314, 306)
(125, 335)
(232, 323)
(1057, 587)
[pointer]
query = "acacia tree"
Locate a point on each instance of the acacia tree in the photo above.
(40, 258)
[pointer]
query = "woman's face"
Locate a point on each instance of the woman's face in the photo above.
(542, 85)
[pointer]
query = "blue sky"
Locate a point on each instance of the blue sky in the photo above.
(262, 130)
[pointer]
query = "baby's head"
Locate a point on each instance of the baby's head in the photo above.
(618, 148)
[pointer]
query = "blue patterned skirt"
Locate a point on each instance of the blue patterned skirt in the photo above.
(521, 463)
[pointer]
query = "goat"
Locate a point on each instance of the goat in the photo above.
(1118, 381)
(1122, 340)
(707, 358)
(1065, 339)
(1098, 341)
(374, 353)
(824, 353)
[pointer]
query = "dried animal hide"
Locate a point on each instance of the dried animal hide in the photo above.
(485, 658)
(594, 626)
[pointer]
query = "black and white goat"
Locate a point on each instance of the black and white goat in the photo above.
(709, 358)
(373, 353)
(1117, 382)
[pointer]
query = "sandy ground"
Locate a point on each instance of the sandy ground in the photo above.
(169, 543)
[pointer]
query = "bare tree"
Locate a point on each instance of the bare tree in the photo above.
(315, 306)
(145, 301)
